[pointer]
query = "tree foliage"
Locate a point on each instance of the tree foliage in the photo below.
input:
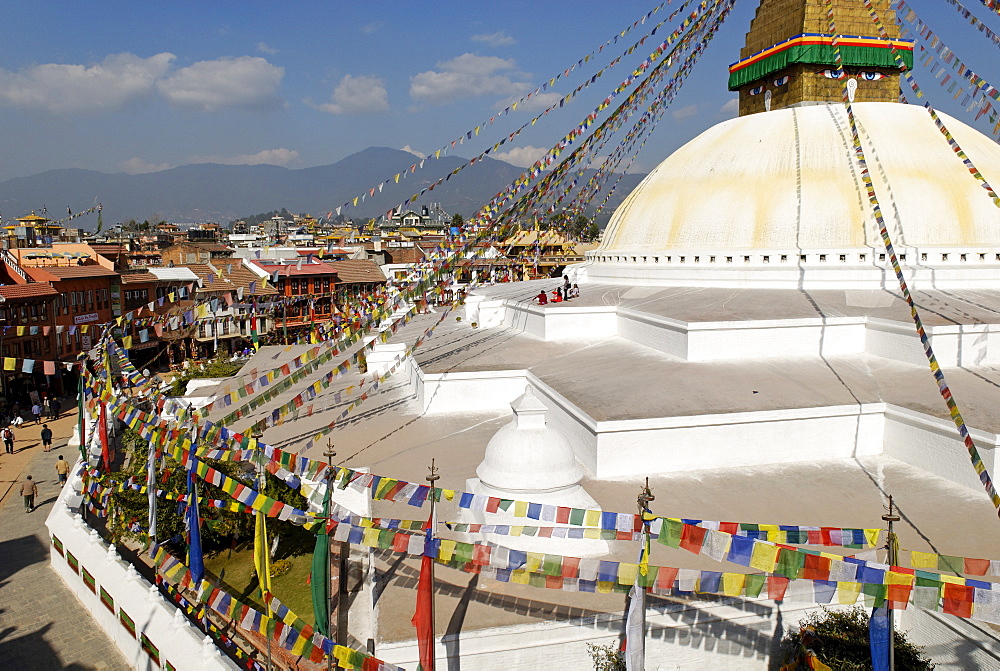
(217, 367)
(606, 657)
(264, 216)
(129, 518)
(840, 639)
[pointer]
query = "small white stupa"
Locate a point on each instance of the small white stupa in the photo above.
(528, 460)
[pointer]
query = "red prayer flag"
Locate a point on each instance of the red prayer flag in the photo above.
(776, 586)
(816, 568)
(105, 447)
(562, 515)
(422, 617)
(957, 600)
(692, 538)
(977, 566)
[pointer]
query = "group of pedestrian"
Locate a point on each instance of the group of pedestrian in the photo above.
(563, 292)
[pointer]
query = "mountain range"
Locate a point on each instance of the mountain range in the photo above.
(222, 193)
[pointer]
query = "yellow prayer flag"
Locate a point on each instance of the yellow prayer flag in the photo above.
(871, 535)
(300, 645)
(447, 550)
(732, 583)
(923, 560)
(627, 573)
(520, 577)
(592, 518)
(847, 592)
(764, 556)
(520, 508)
(605, 586)
(894, 578)
(534, 561)
(591, 533)
(262, 555)
(9, 363)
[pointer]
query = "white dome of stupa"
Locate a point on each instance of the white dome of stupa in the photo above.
(528, 455)
(780, 192)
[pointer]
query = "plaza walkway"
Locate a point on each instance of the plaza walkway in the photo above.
(42, 625)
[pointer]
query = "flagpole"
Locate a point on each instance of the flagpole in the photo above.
(262, 580)
(635, 621)
(431, 478)
(330, 453)
(893, 559)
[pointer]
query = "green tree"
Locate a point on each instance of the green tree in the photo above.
(457, 221)
(217, 367)
(839, 638)
(584, 229)
(129, 518)
(606, 657)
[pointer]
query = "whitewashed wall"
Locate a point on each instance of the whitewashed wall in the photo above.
(178, 642)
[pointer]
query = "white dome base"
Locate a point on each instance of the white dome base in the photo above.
(574, 496)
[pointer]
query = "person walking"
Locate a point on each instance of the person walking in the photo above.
(36, 412)
(56, 408)
(8, 440)
(46, 438)
(46, 407)
(29, 490)
(62, 469)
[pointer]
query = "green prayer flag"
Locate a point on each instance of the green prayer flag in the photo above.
(789, 563)
(754, 583)
(670, 534)
(320, 577)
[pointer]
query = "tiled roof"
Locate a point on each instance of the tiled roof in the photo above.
(238, 277)
(56, 273)
(106, 250)
(208, 246)
(354, 271)
(30, 290)
(292, 270)
(139, 278)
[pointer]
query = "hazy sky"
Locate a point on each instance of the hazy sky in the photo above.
(138, 86)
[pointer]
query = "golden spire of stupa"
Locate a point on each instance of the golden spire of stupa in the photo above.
(788, 59)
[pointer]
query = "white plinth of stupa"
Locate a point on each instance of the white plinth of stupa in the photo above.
(528, 460)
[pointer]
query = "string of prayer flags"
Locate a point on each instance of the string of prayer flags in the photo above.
(287, 630)
(938, 374)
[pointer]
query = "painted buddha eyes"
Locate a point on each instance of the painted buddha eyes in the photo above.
(780, 81)
(832, 74)
(871, 76)
(757, 90)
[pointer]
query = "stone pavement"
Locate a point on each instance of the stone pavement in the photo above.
(42, 625)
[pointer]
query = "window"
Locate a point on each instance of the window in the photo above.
(295, 286)
(90, 298)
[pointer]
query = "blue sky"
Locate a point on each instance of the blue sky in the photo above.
(137, 87)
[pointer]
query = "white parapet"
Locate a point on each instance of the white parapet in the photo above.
(125, 605)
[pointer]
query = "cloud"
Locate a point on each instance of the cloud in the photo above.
(357, 95)
(685, 112)
(371, 28)
(247, 82)
(64, 89)
(497, 39)
(731, 108)
(138, 166)
(537, 102)
(520, 156)
(263, 48)
(280, 156)
(467, 76)
(413, 151)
